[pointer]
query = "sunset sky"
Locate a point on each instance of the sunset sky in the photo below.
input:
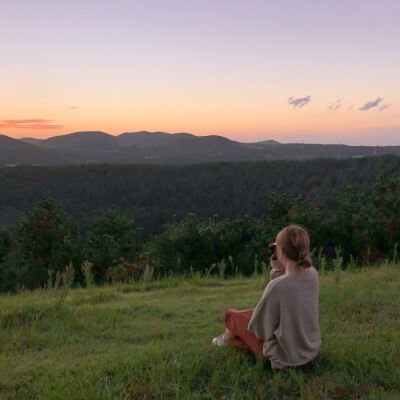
(315, 71)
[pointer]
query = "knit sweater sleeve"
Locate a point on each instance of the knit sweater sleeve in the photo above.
(277, 270)
(266, 315)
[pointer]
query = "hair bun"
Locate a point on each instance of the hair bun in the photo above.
(304, 260)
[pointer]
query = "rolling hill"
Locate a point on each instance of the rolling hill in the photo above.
(91, 141)
(31, 140)
(95, 147)
(17, 152)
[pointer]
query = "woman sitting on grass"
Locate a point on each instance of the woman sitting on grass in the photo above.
(283, 328)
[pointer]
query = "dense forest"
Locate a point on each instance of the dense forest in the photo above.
(155, 194)
(122, 221)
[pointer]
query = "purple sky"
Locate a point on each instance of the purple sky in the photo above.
(205, 67)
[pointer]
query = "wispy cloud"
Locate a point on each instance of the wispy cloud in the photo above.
(371, 104)
(28, 124)
(351, 107)
(384, 107)
(299, 102)
(335, 106)
(72, 108)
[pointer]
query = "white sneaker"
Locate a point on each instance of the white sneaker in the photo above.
(219, 340)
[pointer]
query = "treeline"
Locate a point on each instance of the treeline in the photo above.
(154, 194)
(363, 227)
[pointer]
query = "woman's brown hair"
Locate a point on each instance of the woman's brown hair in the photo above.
(295, 244)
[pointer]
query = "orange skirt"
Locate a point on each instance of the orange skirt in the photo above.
(237, 322)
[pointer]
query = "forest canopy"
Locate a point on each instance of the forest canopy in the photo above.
(221, 215)
(159, 194)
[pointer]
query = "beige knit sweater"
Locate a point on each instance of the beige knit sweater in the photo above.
(287, 319)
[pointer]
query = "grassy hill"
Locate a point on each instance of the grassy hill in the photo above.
(152, 340)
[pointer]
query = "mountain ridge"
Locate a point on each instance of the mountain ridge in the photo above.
(143, 147)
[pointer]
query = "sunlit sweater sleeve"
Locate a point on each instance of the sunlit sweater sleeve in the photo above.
(266, 315)
(277, 269)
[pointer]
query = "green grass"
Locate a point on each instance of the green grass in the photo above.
(153, 341)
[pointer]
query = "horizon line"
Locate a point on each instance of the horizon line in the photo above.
(175, 133)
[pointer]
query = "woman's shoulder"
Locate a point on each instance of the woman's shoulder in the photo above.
(307, 273)
(314, 271)
(286, 280)
(274, 283)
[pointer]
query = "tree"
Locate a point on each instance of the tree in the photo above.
(112, 235)
(381, 216)
(7, 277)
(197, 243)
(41, 241)
(5, 242)
(345, 225)
(282, 211)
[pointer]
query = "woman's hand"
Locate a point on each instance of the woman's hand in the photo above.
(278, 269)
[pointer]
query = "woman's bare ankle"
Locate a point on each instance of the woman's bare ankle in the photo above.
(229, 336)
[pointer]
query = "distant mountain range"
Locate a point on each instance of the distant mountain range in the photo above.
(269, 142)
(95, 147)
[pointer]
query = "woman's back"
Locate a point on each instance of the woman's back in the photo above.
(287, 319)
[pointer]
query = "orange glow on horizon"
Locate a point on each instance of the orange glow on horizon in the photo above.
(235, 121)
